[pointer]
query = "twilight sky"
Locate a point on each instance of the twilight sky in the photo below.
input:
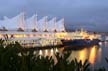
(89, 14)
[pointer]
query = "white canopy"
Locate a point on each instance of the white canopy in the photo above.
(51, 25)
(41, 26)
(11, 23)
(31, 23)
(60, 25)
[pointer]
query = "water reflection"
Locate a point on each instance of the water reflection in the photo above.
(86, 53)
(51, 52)
(83, 55)
(46, 52)
(93, 54)
(79, 55)
(40, 52)
(99, 55)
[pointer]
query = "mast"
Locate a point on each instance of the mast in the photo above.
(63, 28)
(34, 23)
(55, 24)
(21, 22)
(45, 24)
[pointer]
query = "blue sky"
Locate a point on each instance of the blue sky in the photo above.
(75, 12)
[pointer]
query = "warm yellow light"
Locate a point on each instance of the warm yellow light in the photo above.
(18, 35)
(56, 50)
(40, 53)
(83, 55)
(61, 35)
(1, 36)
(92, 56)
(46, 52)
(52, 52)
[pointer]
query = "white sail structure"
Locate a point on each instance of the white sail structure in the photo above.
(19, 23)
(12, 23)
(45, 24)
(41, 26)
(31, 23)
(60, 25)
(51, 25)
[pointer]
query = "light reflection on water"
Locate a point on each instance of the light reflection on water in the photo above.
(86, 53)
(92, 55)
(95, 54)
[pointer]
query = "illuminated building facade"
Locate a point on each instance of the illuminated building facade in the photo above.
(30, 30)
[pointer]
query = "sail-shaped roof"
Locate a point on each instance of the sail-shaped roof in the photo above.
(31, 23)
(11, 23)
(41, 24)
(19, 23)
(60, 25)
(51, 25)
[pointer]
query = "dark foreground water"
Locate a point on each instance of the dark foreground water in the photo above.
(95, 54)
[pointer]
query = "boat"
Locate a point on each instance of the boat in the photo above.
(79, 43)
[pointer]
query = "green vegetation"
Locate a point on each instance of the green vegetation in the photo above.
(15, 58)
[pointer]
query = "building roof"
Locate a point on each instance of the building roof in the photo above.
(31, 23)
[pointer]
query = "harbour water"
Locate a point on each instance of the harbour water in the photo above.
(95, 54)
